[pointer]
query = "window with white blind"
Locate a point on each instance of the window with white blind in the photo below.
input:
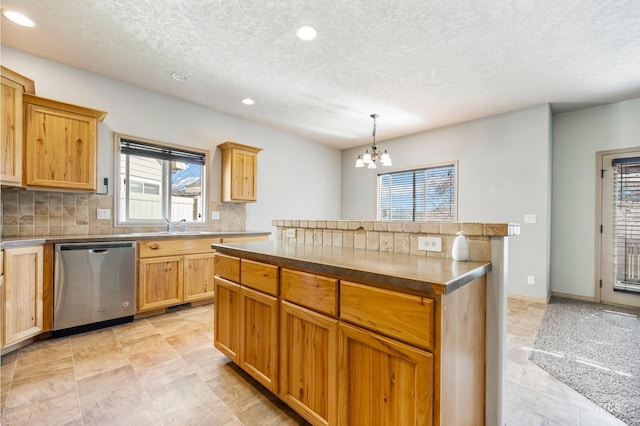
(158, 181)
(626, 223)
(426, 194)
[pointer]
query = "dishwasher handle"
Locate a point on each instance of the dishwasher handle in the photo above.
(99, 251)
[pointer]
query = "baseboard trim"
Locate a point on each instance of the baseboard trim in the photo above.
(573, 296)
(527, 298)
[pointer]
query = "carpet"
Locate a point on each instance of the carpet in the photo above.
(595, 349)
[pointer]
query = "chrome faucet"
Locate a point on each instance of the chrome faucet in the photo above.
(170, 225)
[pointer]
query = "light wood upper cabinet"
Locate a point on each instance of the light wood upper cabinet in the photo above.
(239, 172)
(61, 142)
(13, 87)
(22, 294)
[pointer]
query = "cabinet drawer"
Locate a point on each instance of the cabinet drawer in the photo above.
(155, 248)
(311, 291)
(401, 316)
(259, 276)
(227, 267)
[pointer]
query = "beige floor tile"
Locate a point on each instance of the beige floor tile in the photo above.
(115, 397)
(93, 356)
(61, 410)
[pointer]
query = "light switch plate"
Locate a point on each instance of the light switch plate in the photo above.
(104, 214)
(530, 218)
(215, 215)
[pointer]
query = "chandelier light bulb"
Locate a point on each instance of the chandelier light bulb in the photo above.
(359, 161)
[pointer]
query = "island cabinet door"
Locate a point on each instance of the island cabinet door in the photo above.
(383, 382)
(198, 277)
(309, 363)
(259, 337)
(226, 320)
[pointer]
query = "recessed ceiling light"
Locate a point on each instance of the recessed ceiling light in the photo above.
(180, 76)
(306, 33)
(19, 18)
(247, 101)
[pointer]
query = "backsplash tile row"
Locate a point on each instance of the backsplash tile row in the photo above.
(396, 237)
(28, 213)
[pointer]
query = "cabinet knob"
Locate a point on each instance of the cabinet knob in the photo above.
(153, 246)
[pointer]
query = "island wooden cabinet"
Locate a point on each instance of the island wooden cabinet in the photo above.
(352, 353)
(239, 172)
(246, 295)
(382, 381)
(22, 294)
(226, 323)
(61, 143)
(13, 87)
(259, 336)
(171, 272)
(309, 363)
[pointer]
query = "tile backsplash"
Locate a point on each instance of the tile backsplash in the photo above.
(28, 213)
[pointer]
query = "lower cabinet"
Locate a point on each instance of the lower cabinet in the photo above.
(259, 336)
(309, 363)
(159, 282)
(245, 329)
(383, 381)
(22, 297)
(171, 272)
(226, 318)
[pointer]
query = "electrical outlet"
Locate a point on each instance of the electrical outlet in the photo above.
(430, 244)
(215, 215)
(291, 233)
(531, 280)
(104, 214)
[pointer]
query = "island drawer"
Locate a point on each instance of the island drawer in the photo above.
(259, 276)
(227, 267)
(401, 316)
(311, 291)
(178, 247)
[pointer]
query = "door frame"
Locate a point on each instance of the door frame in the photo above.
(599, 207)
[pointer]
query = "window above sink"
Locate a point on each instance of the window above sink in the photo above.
(158, 180)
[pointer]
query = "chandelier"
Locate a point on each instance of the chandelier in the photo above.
(370, 158)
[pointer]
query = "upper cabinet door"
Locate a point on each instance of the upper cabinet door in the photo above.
(239, 172)
(13, 86)
(61, 144)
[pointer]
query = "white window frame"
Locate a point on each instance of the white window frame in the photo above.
(160, 222)
(420, 168)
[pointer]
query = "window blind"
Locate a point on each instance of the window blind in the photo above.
(626, 226)
(417, 195)
(145, 149)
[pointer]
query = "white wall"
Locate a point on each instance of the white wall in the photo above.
(503, 173)
(282, 176)
(578, 136)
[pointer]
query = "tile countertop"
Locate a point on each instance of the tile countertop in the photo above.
(389, 270)
(30, 241)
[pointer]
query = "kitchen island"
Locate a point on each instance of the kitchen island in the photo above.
(350, 336)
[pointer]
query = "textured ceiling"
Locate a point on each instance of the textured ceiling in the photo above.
(420, 64)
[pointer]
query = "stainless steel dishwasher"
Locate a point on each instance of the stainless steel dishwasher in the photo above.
(93, 285)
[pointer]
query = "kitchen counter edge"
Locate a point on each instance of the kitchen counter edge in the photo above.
(33, 241)
(402, 272)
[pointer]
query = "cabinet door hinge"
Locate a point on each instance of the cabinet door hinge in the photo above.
(602, 173)
(600, 283)
(601, 229)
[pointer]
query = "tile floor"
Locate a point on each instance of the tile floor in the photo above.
(163, 371)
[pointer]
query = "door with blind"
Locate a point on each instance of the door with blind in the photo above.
(620, 250)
